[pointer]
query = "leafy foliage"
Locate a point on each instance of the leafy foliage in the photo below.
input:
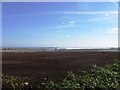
(99, 78)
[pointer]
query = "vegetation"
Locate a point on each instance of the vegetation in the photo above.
(98, 78)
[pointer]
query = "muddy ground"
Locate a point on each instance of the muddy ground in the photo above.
(52, 65)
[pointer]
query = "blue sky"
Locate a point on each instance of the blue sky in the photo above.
(62, 24)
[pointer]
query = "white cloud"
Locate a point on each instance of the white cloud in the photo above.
(92, 12)
(71, 22)
(112, 30)
(61, 12)
(109, 30)
(61, 26)
(107, 14)
(108, 18)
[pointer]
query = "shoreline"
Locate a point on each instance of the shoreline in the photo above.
(60, 50)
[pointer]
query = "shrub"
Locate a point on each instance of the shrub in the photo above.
(98, 78)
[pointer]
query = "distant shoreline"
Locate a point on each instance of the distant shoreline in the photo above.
(52, 49)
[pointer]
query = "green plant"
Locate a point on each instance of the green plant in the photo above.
(98, 78)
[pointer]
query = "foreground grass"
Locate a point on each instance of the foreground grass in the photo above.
(98, 78)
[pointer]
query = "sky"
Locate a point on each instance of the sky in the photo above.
(60, 24)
